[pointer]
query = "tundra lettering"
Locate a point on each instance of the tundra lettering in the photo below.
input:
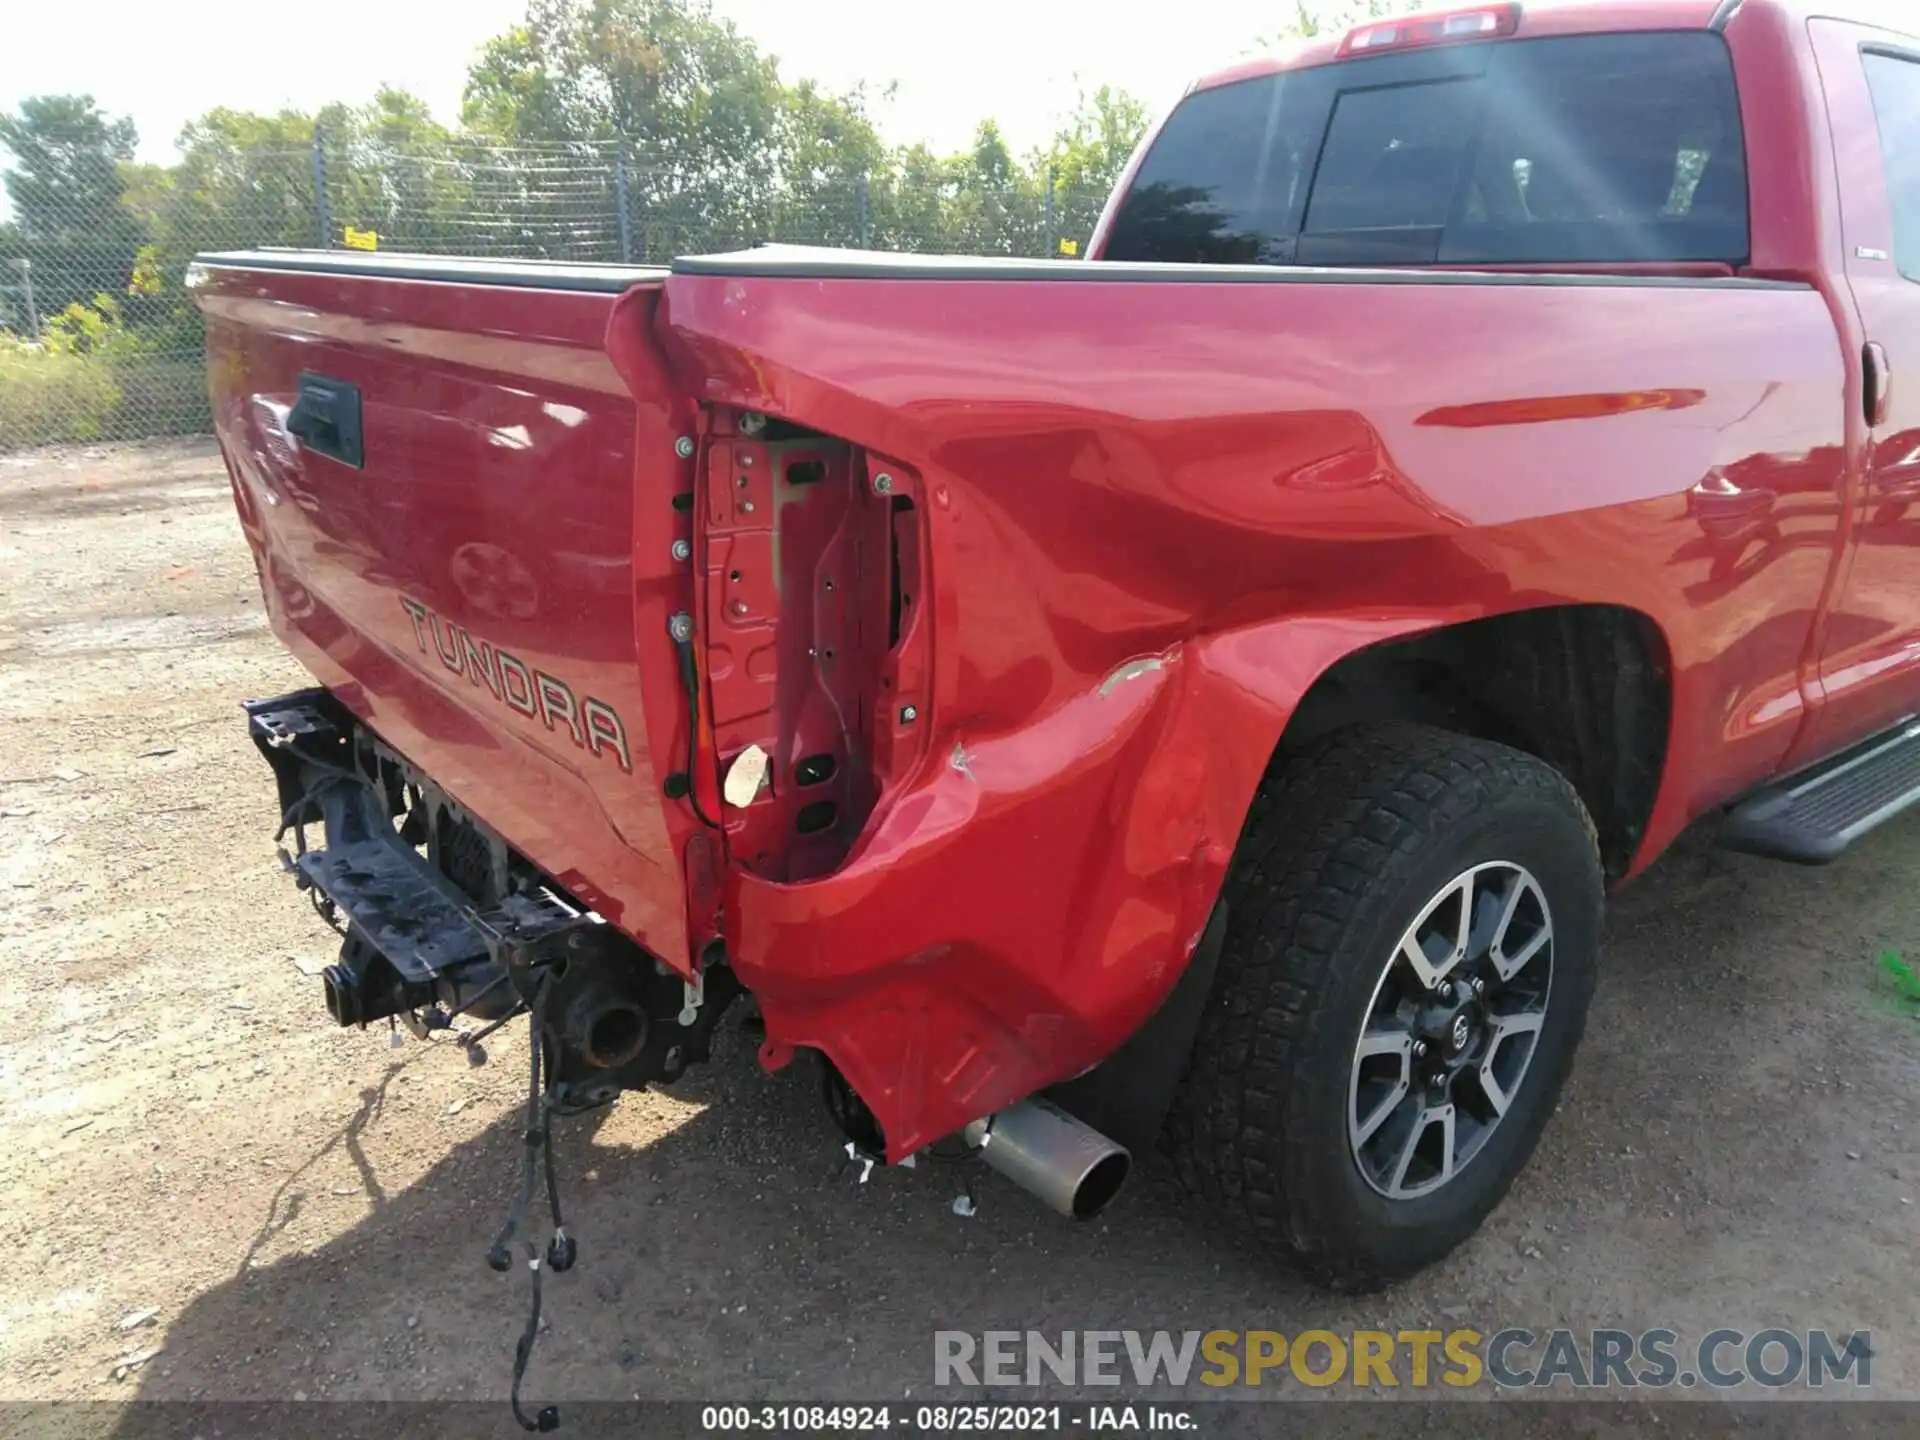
(594, 724)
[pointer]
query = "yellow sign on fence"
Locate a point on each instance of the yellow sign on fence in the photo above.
(362, 239)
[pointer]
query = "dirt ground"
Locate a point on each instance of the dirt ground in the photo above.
(207, 1192)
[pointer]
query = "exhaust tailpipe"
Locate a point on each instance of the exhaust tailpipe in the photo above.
(1070, 1166)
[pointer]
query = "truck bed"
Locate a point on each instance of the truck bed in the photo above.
(1032, 560)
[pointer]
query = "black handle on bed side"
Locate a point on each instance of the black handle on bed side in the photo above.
(326, 418)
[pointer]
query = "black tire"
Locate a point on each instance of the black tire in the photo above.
(1345, 843)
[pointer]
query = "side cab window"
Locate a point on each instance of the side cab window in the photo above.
(1895, 83)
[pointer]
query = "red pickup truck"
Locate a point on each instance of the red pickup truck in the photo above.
(1195, 697)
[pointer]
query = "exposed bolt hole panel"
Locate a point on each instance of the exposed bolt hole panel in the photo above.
(815, 818)
(815, 770)
(799, 563)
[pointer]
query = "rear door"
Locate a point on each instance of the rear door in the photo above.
(1870, 656)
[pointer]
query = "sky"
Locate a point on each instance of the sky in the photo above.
(1021, 61)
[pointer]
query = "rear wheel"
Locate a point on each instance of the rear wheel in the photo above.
(1413, 921)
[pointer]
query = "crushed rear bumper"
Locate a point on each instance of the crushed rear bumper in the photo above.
(413, 939)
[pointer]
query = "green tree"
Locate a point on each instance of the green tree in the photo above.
(243, 179)
(65, 187)
(1086, 158)
(719, 150)
(692, 105)
(829, 157)
(996, 206)
(908, 200)
(984, 201)
(13, 287)
(393, 170)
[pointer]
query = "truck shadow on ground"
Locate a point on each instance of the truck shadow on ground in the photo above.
(733, 1257)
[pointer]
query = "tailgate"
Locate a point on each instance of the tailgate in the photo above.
(446, 484)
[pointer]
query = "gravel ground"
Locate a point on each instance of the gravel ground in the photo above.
(209, 1193)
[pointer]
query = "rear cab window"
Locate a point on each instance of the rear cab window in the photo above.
(1588, 149)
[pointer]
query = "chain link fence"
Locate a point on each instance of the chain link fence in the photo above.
(99, 339)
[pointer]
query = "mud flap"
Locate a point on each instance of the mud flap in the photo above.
(1126, 1097)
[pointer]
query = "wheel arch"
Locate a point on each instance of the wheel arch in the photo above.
(1585, 687)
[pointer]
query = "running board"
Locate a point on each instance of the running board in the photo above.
(1812, 817)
